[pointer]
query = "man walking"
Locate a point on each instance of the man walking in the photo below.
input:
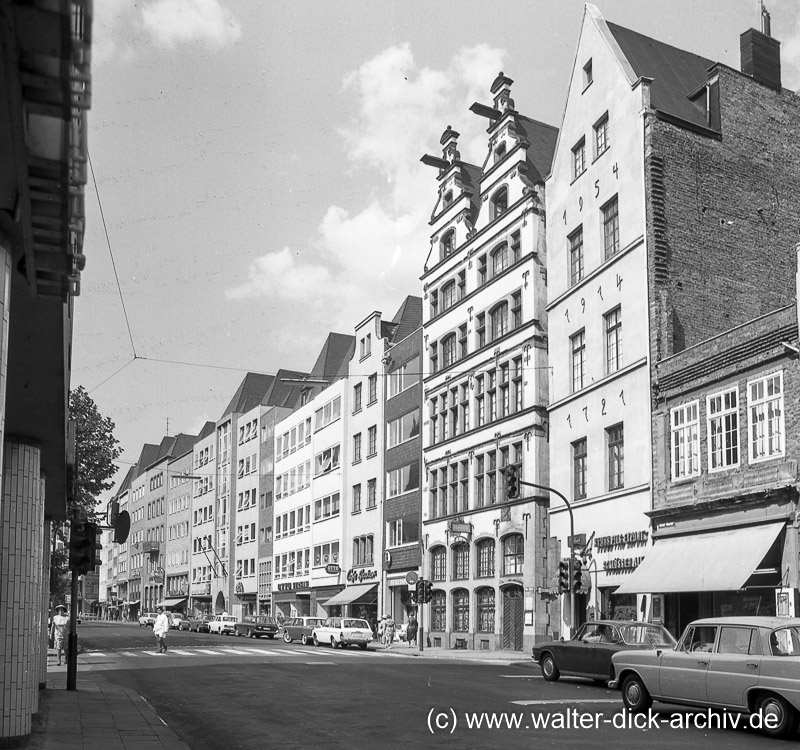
(58, 631)
(160, 628)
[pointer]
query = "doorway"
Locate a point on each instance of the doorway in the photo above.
(513, 618)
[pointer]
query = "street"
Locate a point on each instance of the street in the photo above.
(227, 692)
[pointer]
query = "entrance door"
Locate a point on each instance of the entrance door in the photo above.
(513, 618)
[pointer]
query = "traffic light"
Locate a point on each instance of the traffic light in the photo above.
(81, 546)
(512, 481)
(428, 591)
(420, 590)
(96, 535)
(563, 576)
(577, 575)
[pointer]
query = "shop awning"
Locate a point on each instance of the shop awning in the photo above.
(171, 602)
(350, 594)
(714, 561)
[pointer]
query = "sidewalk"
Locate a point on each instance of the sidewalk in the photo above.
(96, 716)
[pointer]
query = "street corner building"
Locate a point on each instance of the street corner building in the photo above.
(45, 50)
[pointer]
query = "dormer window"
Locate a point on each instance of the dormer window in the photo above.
(500, 203)
(587, 73)
(448, 198)
(500, 152)
(448, 243)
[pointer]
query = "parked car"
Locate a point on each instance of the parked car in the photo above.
(185, 624)
(222, 624)
(254, 626)
(200, 623)
(589, 653)
(175, 620)
(742, 664)
(300, 629)
(342, 632)
(147, 618)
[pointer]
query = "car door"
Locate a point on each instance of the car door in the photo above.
(735, 665)
(602, 651)
(575, 655)
(682, 672)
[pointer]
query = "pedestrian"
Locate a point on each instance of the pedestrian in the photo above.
(160, 628)
(382, 631)
(58, 631)
(388, 632)
(411, 631)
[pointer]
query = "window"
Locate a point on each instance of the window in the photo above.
(613, 323)
(438, 564)
(460, 562)
(330, 412)
(448, 243)
(449, 350)
(438, 611)
(463, 349)
(463, 490)
(480, 330)
(611, 227)
(587, 73)
(448, 295)
(601, 136)
(366, 346)
(434, 303)
(326, 507)
(499, 320)
(576, 256)
(513, 555)
(462, 284)
(363, 550)
(356, 397)
(326, 461)
(579, 469)
(372, 440)
(372, 387)
(404, 428)
(402, 480)
(356, 498)
(501, 259)
(402, 531)
(499, 203)
(480, 482)
(485, 610)
(723, 430)
(326, 553)
(372, 494)
(765, 405)
(578, 348)
(482, 270)
(485, 554)
(685, 434)
(616, 457)
(460, 611)
(404, 376)
(516, 310)
(500, 152)
(579, 158)
(448, 198)
(356, 448)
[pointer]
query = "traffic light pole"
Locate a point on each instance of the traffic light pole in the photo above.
(572, 619)
(421, 633)
(72, 640)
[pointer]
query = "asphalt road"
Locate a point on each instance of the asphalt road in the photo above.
(223, 692)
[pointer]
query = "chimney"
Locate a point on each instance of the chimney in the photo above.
(761, 54)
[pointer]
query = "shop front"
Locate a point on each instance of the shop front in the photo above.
(292, 600)
(359, 598)
(734, 571)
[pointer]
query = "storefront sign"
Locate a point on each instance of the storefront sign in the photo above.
(459, 527)
(356, 575)
(621, 564)
(293, 586)
(615, 541)
(240, 588)
(332, 569)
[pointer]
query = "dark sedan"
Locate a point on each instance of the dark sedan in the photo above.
(589, 653)
(254, 626)
(200, 623)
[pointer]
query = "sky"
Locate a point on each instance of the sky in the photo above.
(256, 179)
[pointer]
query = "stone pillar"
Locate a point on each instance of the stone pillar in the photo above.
(47, 558)
(21, 561)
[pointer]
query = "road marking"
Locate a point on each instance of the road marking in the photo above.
(519, 676)
(207, 651)
(181, 653)
(92, 653)
(128, 653)
(562, 701)
(234, 651)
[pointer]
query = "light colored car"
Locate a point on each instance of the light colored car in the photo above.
(343, 632)
(589, 653)
(148, 619)
(748, 665)
(301, 629)
(222, 624)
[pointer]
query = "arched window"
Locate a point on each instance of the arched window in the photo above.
(501, 259)
(460, 562)
(500, 152)
(461, 610)
(438, 564)
(448, 295)
(484, 610)
(499, 203)
(448, 350)
(448, 243)
(499, 320)
(438, 611)
(485, 555)
(513, 555)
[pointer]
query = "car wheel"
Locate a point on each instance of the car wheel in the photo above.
(303, 639)
(333, 642)
(781, 716)
(362, 646)
(270, 635)
(635, 696)
(549, 669)
(249, 633)
(288, 639)
(316, 641)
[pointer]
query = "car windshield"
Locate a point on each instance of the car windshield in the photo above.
(355, 624)
(785, 642)
(646, 634)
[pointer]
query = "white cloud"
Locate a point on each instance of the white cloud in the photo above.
(178, 21)
(370, 259)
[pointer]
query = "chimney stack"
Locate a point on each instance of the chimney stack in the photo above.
(761, 54)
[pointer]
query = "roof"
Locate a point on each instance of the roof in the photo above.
(147, 456)
(675, 73)
(407, 319)
(333, 359)
(284, 394)
(208, 429)
(250, 393)
(754, 621)
(542, 140)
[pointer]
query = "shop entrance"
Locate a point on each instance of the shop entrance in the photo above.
(513, 618)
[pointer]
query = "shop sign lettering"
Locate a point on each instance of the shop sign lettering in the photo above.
(629, 539)
(293, 586)
(356, 575)
(621, 564)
